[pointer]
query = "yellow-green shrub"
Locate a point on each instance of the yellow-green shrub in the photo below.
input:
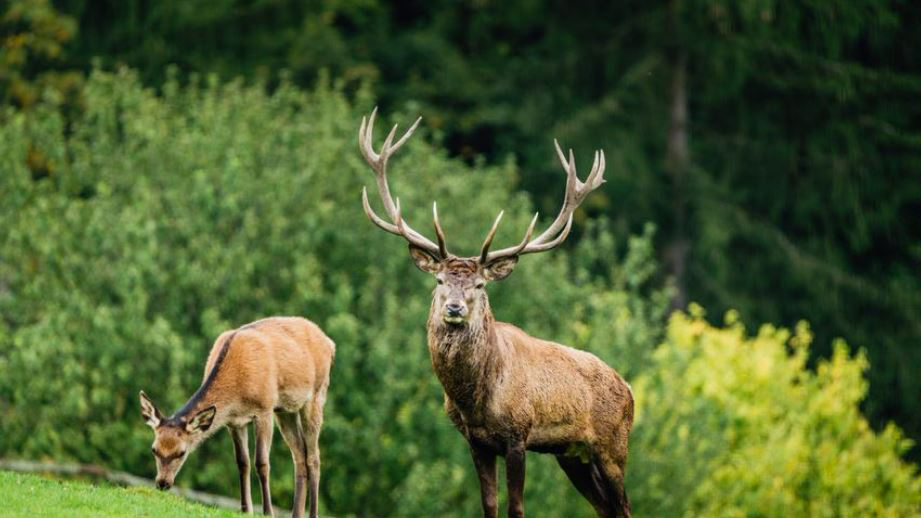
(736, 425)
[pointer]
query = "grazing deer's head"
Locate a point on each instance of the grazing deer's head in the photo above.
(459, 298)
(174, 438)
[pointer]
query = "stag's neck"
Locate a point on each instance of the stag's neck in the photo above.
(468, 360)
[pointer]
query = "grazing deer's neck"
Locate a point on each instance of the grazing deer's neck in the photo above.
(205, 395)
(468, 360)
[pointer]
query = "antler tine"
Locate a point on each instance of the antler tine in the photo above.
(540, 247)
(385, 148)
(559, 153)
(576, 192)
(364, 139)
(378, 163)
(377, 220)
(512, 250)
(415, 239)
(484, 252)
(596, 176)
(442, 247)
(569, 167)
(406, 135)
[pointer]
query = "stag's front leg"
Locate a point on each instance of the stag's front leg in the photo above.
(485, 461)
(241, 449)
(263, 425)
(514, 474)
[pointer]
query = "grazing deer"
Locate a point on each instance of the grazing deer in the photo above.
(506, 391)
(278, 364)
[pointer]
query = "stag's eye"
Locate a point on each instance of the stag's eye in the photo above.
(480, 285)
(439, 281)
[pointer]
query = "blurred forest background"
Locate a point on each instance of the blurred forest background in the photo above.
(170, 169)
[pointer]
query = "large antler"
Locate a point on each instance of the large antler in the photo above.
(378, 163)
(576, 191)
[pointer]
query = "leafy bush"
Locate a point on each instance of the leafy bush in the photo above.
(732, 425)
(156, 220)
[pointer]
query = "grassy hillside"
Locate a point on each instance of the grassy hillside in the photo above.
(30, 495)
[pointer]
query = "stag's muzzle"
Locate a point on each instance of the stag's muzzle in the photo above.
(455, 313)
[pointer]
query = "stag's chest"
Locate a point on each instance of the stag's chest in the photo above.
(489, 426)
(468, 392)
(477, 422)
(482, 414)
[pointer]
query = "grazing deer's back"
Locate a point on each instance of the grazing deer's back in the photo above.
(280, 351)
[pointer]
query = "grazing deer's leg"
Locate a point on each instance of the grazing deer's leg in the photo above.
(241, 449)
(590, 483)
(290, 427)
(263, 426)
(514, 474)
(485, 461)
(312, 420)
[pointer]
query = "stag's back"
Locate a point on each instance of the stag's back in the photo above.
(563, 386)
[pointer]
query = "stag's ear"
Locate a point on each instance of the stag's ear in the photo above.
(149, 411)
(202, 420)
(500, 268)
(424, 261)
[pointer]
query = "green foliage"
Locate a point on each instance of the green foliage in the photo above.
(736, 425)
(30, 495)
(32, 37)
(169, 218)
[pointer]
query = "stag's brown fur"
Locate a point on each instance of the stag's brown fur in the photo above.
(504, 389)
(276, 365)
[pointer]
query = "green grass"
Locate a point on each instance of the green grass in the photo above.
(34, 496)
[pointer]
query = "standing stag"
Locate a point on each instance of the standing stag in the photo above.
(279, 365)
(505, 391)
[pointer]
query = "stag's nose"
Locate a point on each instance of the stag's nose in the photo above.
(162, 485)
(454, 310)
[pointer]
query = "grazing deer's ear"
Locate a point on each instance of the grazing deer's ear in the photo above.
(202, 420)
(424, 260)
(149, 411)
(500, 268)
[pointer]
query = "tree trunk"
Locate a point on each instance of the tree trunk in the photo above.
(677, 164)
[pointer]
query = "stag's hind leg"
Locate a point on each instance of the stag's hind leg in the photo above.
(614, 470)
(588, 479)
